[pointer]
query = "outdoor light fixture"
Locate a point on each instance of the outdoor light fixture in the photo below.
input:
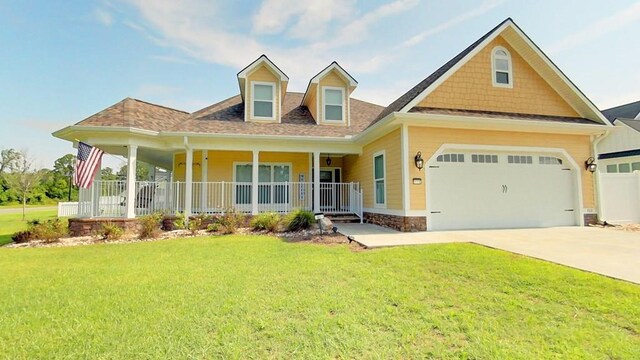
(419, 161)
(328, 160)
(590, 164)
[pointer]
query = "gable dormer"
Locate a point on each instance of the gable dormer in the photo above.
(262, 87)
(327, 96)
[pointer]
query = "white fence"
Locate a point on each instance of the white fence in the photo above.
(620, 197)
(108, 198)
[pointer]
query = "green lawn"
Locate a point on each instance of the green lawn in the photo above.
(260, 297)
(11, 223)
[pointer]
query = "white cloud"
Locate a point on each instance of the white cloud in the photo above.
(103, 16)
(485, 7)
(595, 30)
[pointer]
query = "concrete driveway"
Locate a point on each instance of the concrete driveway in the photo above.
(613, 253)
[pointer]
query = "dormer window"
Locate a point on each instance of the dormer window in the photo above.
(262, 102)
(333, 104)
(502, 67)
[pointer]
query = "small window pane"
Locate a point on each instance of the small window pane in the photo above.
(379, 167)
(613, 168)
(624, 168)
(333, 112)
(501, 53)
(333, 97)
(447, 157)
(502, 77)
(481, 158)
(379, 191)
(635, 166)
(263, 108)
(529, 159)
(439, 158)
(263, 92)
(494, 159)
(460, 157)
(502, 64)
(474, 158)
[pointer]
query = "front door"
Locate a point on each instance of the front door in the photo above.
(328, 194)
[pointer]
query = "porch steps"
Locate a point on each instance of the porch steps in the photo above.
(343, 218)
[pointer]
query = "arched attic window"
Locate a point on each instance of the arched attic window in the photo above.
(501, 67)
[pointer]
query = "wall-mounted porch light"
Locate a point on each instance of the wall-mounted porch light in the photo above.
(328, 160)
(419, 161)
(590, 164)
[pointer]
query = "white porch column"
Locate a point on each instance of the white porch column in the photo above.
(203, 179)
(131, 181)
(254, 182)
(316, 181)
(188, 186)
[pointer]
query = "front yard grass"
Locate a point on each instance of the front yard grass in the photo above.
(260, 297)
(12, 223)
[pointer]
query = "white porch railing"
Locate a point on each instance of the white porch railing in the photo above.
(108, 198)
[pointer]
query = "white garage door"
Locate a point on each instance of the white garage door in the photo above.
(485, 190)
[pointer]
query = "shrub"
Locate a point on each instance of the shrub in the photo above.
(22, 237)
(110, 231)
(150, 226)
(266, 221)
(231, 221)
(49, 230)
(179, 223)
(214, 227)
(195, 224)
(299, 220)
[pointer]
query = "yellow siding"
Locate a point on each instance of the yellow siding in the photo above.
(220, 164)
(359, 168)
(334, 80)
(262, 73)
(311, 101)
(428, 140)
(471, 88)
(335, 161)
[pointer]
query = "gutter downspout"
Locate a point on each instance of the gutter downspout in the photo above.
(596, 187)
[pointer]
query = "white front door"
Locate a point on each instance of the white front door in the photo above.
(487, 189)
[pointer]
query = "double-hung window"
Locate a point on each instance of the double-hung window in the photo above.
(333, 104)
(379, 179)
(502, 67)
(263, 101)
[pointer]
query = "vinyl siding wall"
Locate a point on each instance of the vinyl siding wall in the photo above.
(429, 140)
(359, 168)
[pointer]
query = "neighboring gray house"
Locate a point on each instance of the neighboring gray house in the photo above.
(619, 152)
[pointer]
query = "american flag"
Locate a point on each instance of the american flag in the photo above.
(87, 164)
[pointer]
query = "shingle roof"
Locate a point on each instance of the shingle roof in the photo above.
(626, 111)
(405, 99)
(499, 115)
(138, 114)
(227, 117)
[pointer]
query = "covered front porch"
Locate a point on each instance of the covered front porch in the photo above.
(218, 181)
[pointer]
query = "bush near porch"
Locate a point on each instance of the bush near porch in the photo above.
(260, 297)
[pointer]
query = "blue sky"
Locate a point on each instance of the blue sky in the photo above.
(64, 61)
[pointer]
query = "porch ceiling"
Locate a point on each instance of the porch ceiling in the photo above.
(160, 158)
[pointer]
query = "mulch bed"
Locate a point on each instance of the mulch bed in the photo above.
(312, 236)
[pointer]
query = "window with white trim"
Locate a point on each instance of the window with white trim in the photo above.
(450, 158)
(484, 158)
(333, 104)
(379, 187)
(520, 159)
(263, 103)
(502, 67)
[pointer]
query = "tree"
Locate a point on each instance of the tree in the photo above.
(24, 178)
(63, 171)
(8, 160)
(142, 172)
(108, 174)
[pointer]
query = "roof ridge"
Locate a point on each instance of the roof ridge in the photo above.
(158, 105)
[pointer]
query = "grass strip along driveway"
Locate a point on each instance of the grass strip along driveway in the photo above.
(260, 297)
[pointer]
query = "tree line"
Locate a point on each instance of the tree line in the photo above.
(22, 182)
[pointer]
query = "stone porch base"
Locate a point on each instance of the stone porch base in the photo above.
(88, 227)
(400, 223)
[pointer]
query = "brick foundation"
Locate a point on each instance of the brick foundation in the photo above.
(88, 227)
(590, 219)
(400, 223)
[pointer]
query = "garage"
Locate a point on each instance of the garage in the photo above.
(492, 189)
